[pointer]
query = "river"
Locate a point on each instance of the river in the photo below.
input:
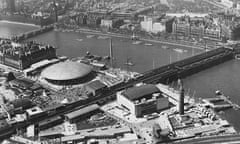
(8, 29)
(144, 57)
(224, 77)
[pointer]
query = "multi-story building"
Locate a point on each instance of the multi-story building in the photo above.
(214, 34)
(3, 4)
(156, 25)
(200, 28)
(107, 23)
(142, 100)
(22, 56)
(182, 28)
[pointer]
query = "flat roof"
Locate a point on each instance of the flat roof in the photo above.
(97, 132)
(23, 82)
(50, 133)
(96, 85)
(25, 103)
(34, 110)
(82, 111)
(50, 120)
(140, 91)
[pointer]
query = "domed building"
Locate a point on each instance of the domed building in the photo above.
(68, 73)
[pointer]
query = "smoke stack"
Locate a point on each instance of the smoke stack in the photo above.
(181, 97)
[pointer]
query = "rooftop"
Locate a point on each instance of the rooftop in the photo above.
(24, 103)
(67, 70)
(24, 83)
(82, 111)
(140, 92)
(96, 85)
(107, 131)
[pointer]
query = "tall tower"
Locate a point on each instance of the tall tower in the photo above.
(111, 52)
(11, 5)
(181, 98)
(55, 9)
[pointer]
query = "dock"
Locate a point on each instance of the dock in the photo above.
(229, 104)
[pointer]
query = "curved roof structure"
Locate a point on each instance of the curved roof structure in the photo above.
(67, 70)
(141, 91)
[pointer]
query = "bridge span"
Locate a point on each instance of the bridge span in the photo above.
(162, 74)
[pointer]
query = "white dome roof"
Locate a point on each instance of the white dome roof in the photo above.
(67, 70)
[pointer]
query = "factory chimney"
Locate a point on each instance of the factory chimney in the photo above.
(181, 97)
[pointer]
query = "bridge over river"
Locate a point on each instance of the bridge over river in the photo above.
(164, 74)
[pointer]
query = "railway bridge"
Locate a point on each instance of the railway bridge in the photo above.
(164, 74)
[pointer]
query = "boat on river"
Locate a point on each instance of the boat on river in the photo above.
(180, 50)
(137, 42)
(79, 40)
(148, 44)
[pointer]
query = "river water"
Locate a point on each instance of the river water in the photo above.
(224, 77)
(8, 29)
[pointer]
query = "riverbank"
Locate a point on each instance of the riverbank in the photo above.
(96, 32)
(34, 33)
(27, 19)
(20, 23)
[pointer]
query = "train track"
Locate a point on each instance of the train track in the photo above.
(161, 74)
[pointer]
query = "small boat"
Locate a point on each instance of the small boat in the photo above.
(79, 40)
(98, 64)
(88, 53)
(180, 50)
(218, 92)
(107, 57)
(221, 112)
(237, 57)
(148, 44)
(102, 37)
(90, 36)
(129, 64)
(137, 42)
(165, 47)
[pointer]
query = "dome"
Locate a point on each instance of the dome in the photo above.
(67, 70)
